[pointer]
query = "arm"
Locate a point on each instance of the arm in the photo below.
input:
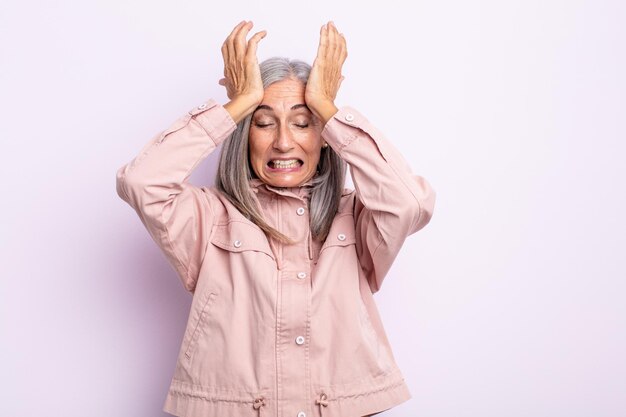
(391, 203)
(177, 214)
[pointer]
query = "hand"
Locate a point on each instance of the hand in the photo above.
(325, 77)
(242, 76)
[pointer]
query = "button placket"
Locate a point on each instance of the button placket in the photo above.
(297, 292)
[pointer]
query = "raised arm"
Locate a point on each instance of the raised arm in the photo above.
(177, 214)
(391, 202)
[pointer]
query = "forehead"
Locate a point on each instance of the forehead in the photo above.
(283, 95)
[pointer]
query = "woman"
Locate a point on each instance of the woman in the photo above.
(281, 259)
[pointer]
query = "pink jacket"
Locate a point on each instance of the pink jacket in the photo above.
(279, 330)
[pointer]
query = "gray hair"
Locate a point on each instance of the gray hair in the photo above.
(235, 171)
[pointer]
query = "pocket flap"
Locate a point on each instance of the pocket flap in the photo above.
(342, 232)
(238, 236)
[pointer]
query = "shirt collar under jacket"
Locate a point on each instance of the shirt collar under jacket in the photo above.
(301, 192)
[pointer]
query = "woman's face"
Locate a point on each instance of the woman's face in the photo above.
(285, 138)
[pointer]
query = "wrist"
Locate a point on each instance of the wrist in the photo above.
(241, 106)
(324, 110)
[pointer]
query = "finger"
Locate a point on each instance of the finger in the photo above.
(222, 81)
(225, 54)
(321, 49)
(332, 42)
(232, 34)
(337, 39)
(240, 39)
(224, 48)
(342, 51)
(236, 39)
(332, 28)
(230, 41)
(333, 33)
(344, 48)
(236, 29)
(253, 44)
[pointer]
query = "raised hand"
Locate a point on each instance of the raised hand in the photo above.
(325, 78)
(242, 76)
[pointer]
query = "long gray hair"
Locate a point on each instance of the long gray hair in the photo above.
(234, 170)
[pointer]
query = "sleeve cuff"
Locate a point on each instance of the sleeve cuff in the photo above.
(339, 130)
(214, 119)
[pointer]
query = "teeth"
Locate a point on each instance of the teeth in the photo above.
(291, 163)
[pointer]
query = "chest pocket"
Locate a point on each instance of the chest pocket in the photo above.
(342, 232)
(239, 236)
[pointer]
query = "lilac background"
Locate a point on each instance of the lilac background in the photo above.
(511, 302)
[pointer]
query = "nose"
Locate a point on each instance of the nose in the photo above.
(283, 141)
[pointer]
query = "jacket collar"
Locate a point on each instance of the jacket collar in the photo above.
(302, 191)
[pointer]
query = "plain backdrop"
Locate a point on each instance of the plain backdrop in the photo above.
(511, 302)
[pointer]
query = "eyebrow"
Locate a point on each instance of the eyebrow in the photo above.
(294, 107)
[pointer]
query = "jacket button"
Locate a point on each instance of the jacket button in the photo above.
(341, 236)
(202, 106)
(237, 243)
(301, 275)
(300, 211)
(349, 117)
(299, 340)
(301, 414)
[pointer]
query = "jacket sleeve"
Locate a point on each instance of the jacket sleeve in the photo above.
(391, 202)
(177, 214)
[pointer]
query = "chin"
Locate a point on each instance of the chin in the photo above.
(285, 183)
(277, 181)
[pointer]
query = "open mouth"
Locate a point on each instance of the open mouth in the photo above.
(285, 163)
